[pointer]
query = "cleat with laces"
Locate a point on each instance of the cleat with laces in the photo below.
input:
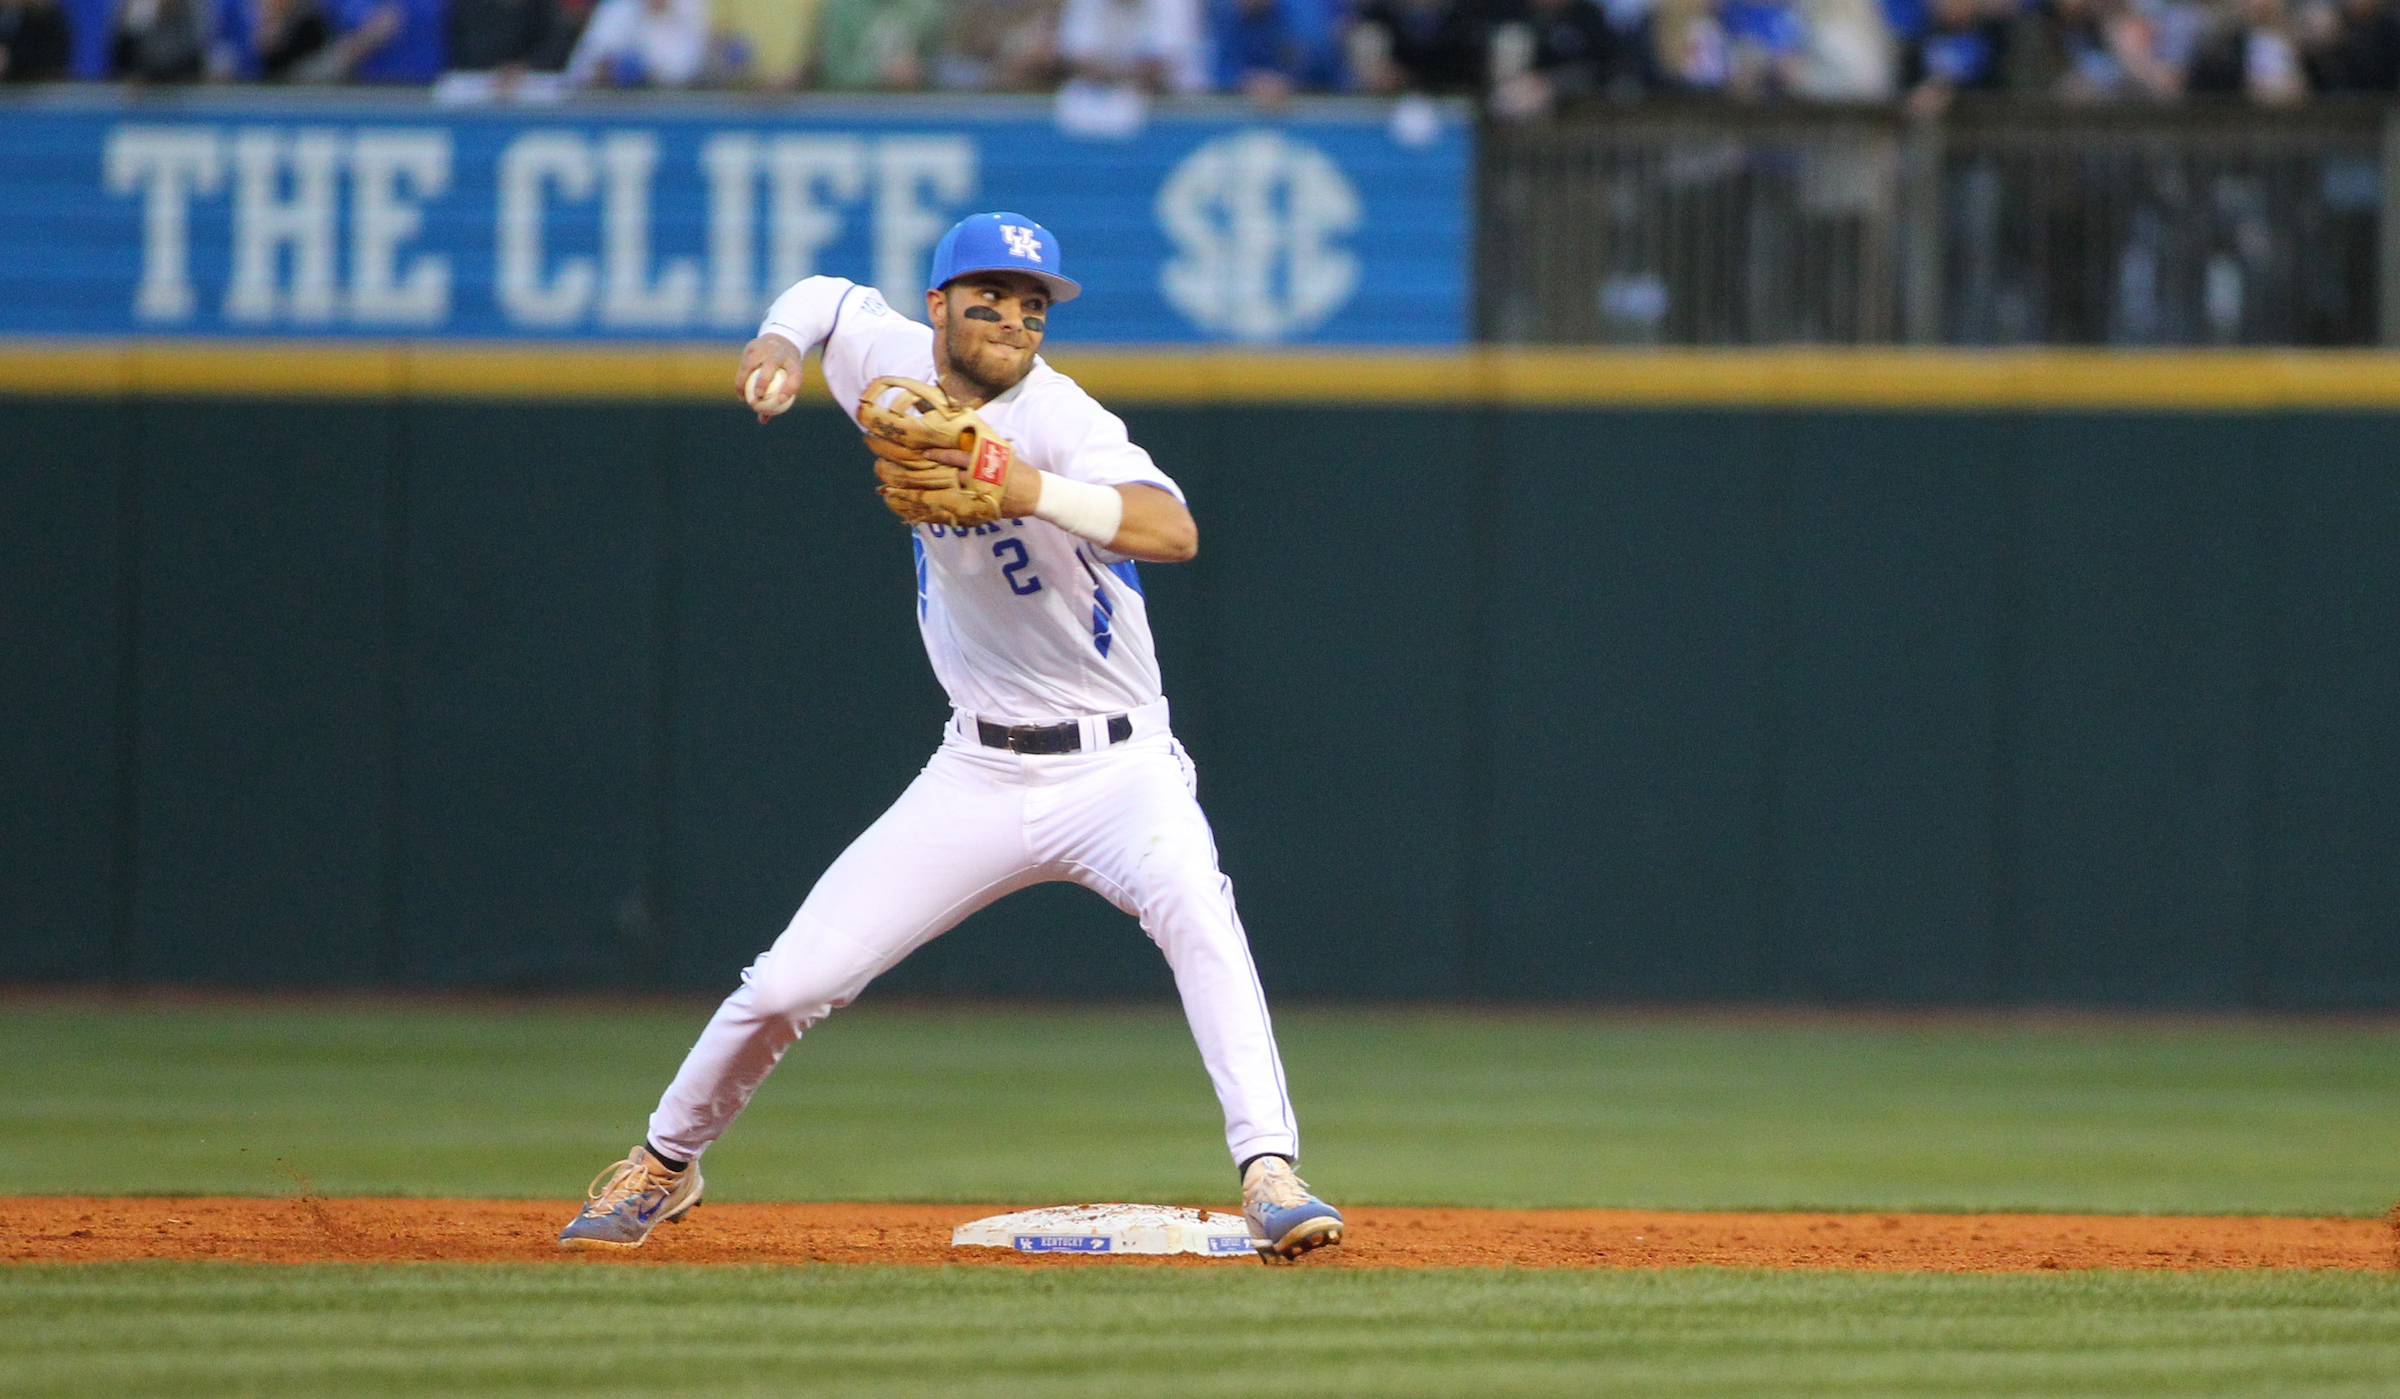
(1285, 1220)
(629, 1199)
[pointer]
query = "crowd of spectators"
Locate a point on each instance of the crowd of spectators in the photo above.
(1525, 57)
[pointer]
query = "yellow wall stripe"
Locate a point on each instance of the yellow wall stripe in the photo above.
(1528, 377)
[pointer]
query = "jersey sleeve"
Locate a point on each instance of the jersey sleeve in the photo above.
(1085, 442)
(864, 339)
(806, 312)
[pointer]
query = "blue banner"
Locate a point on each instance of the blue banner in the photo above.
(682, 219)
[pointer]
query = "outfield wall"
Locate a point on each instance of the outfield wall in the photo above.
(1862, 678)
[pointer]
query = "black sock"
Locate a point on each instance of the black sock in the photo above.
(663, 1159)
(1242, 1171)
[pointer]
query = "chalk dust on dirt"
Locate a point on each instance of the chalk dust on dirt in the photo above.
(316, 1229)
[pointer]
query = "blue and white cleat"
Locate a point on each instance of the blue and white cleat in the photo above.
(1285, 1220)
(629, 1199)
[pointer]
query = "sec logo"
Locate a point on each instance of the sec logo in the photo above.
(1258, 220)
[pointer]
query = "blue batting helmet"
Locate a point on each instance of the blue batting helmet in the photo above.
(1000, 243)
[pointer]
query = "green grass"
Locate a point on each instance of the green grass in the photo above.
(916, 1103)
(128, 1331)
(920, 1103)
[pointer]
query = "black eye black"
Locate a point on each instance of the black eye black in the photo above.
(980, 313)
(1030, 322)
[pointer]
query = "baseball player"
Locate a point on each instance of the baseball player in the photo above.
(1029, 508)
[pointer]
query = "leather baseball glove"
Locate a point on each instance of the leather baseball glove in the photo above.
(922, 418)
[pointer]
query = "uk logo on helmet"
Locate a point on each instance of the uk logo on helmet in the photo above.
(1021, 242)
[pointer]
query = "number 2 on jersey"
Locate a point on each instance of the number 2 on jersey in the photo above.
(1019, 586)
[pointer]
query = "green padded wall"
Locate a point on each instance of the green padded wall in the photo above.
(1853, 707)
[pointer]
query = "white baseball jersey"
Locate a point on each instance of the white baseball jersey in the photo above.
(1024, 622)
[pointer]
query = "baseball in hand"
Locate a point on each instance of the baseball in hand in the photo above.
(773, 400)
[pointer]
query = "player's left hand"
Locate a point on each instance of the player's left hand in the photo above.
(1020, 490)
(911, 473)
(903, 420)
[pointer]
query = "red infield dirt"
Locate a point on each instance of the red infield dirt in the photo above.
(307, 1229)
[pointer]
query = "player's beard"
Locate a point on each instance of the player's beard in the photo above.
(990, 367)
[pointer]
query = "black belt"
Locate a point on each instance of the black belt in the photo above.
(1048, 738)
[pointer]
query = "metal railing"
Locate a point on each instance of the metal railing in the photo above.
(1992, 226)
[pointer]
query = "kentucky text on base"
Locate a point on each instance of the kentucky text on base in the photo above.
(1057, 762)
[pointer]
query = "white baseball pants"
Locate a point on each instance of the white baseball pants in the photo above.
(976, 824)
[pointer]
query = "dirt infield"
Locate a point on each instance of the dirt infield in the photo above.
(310, 1230)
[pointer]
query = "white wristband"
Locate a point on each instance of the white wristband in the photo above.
(1080, 508)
